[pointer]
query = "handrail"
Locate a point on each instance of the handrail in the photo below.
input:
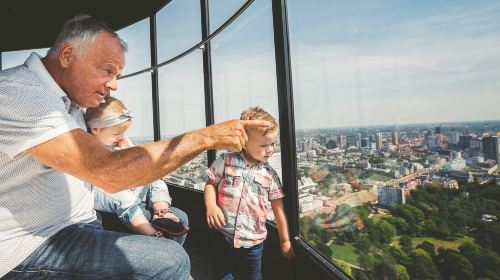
(199, 45)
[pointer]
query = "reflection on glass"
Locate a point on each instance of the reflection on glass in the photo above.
(178, 28)
(135, 92)
(182, 108)
(15, 58)
(397, 122)
(138, 55)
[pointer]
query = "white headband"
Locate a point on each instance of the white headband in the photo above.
(110, 121)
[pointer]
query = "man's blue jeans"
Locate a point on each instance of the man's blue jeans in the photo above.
(85, 251)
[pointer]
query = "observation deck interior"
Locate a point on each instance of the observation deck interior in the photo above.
(389, 132)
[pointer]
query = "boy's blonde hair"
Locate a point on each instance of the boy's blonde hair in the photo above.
(257, 113)
(111, 108)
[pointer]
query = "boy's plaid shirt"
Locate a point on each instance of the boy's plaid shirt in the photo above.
(243, 194)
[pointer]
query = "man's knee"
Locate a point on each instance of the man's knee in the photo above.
(172, 261)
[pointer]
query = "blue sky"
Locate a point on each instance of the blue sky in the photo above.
(381, 62)
(354, 63)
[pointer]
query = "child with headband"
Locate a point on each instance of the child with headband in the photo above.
(134, 207)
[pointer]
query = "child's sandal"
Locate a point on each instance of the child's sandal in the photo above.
(168, 226)
(158, 234)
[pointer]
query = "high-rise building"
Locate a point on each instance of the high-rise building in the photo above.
(438, 130)
(357, 140)
(439, 139)
(379, 140)
(391, 196)
(395, 137)
(342, 141)
(464, 141)
(491, 148)
(365, 141)
(477, 143)
(454, 137)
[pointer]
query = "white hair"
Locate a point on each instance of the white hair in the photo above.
(81, 31)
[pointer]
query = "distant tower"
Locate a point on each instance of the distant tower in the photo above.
(378, 140)
(357, 140)
(342, 142)
(395, 137)
(365, 141)
(454, 137)
(491, 148)
(464, 141)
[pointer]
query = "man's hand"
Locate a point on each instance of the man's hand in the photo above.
(231, 134)
(215, 217)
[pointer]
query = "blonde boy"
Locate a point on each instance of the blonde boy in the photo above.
(237, 193)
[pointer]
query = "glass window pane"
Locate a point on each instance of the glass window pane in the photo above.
(396, 110)
(178, 28)
(182, 108)
(138, 55)
(243, 67)
(222, 10)
(135, 92)
(15, 58)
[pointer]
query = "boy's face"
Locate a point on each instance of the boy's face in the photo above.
(111, 136)
(260, 147)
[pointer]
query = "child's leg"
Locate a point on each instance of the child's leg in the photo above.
(223, 256)
(181, 215)
(249, 263)
(142, 226)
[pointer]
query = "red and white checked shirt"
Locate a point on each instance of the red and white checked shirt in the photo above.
(243, 194)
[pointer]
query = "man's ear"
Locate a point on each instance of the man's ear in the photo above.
(67, 53)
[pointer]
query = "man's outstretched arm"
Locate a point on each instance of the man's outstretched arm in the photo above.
(80, 154)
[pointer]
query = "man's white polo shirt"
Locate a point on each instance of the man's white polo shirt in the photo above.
(36, 201)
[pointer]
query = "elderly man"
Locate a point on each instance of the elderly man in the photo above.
(47, 222)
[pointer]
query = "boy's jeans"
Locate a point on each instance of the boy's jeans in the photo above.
(239, 263)
(85, 251)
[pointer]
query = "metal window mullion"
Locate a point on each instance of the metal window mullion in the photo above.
(154, 78)
(286, 117)
(207, 71)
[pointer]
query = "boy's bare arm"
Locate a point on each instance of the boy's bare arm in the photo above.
(215, 217)
(282, 225)
(81, 155)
